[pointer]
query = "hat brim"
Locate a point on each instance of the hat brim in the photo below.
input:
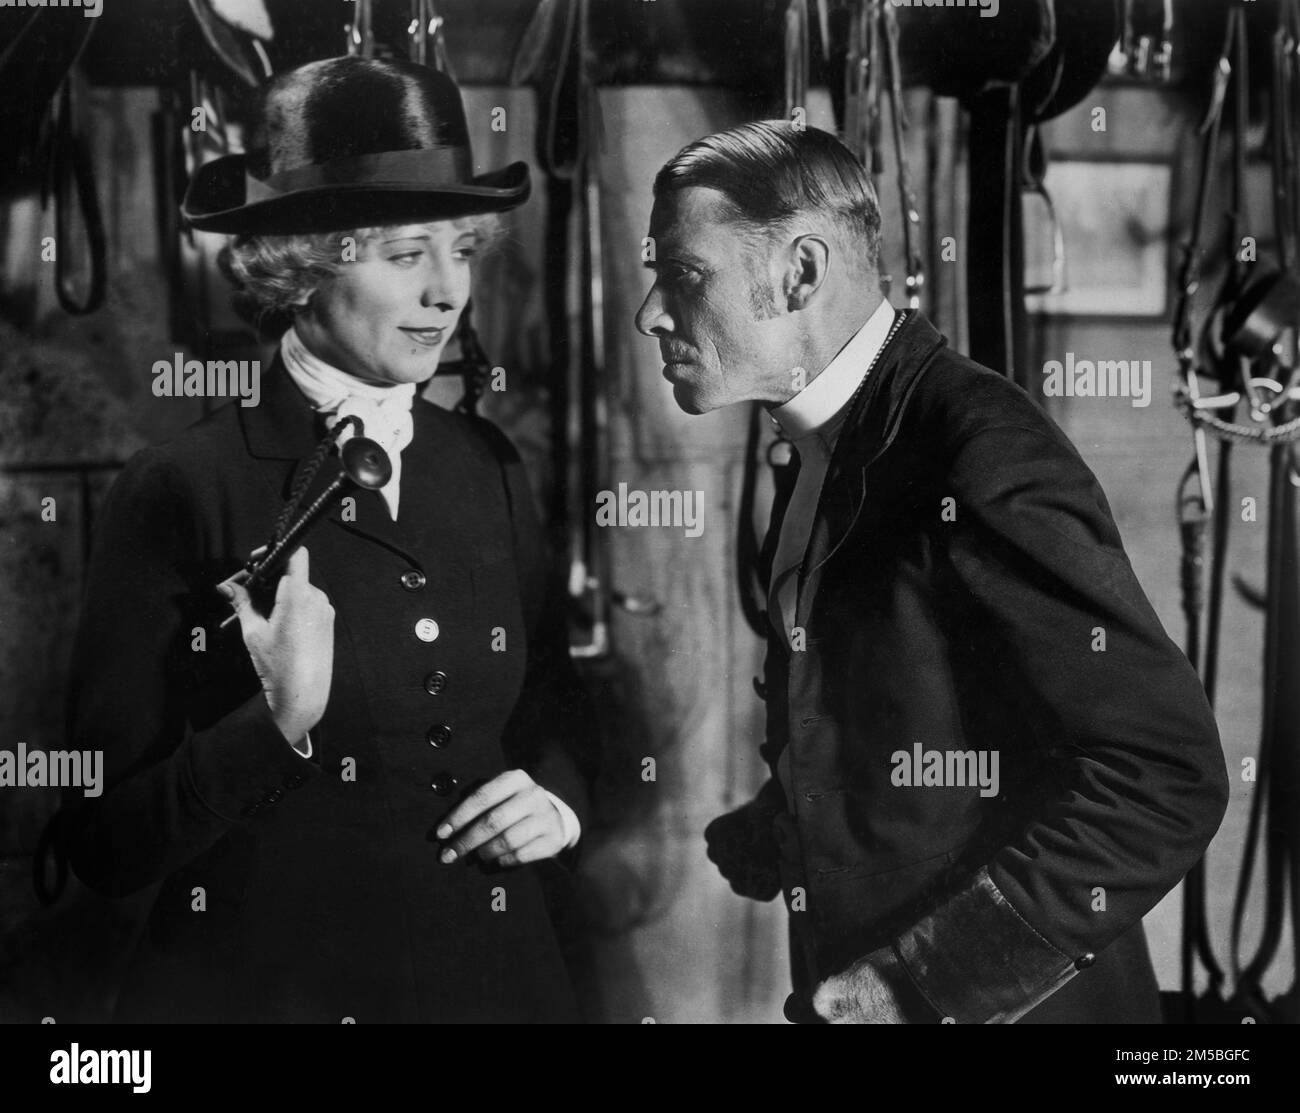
(216, 201)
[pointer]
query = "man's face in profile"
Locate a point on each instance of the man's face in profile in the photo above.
(713, 305)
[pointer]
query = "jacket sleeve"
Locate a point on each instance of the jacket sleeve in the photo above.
(552, 732)
(1138, 785)
(743, 844)
(170, 791)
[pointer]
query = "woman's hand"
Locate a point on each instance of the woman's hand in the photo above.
(292, 649)
(510, 820)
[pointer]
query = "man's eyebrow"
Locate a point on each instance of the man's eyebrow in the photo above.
(682, 258)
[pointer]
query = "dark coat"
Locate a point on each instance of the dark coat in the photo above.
(324, 895)
(979, 629)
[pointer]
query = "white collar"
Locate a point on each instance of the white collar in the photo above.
(326, 386)
(384, 409)
(815, 408)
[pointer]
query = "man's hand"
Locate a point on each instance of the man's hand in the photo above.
(292, 649)
(742, 846)
(865, 993)
(510, 820)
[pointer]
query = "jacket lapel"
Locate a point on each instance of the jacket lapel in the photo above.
(428, 480)
(870, 427)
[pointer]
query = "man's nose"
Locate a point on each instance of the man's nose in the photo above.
(652, 318)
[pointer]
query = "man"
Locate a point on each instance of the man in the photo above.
(988, 759)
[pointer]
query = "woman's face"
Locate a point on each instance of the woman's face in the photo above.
(387, 316)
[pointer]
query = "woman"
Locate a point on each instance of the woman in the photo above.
(346, 805)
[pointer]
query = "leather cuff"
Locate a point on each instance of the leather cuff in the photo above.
(977, 961)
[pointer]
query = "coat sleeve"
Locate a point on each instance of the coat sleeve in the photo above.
(170, 791)
(1138, 784)
(551, 732)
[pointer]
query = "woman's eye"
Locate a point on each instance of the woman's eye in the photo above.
(467, 252)
(405, 259)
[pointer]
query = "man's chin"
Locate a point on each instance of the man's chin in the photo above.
(688, 400)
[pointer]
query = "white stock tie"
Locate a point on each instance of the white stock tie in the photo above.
(384, 411)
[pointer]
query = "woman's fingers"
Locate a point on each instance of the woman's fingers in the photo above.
(483, 799)
(491, 824)
(505, 828)
(295, 577)
(534, 851)
(236, 594)
(515, 838)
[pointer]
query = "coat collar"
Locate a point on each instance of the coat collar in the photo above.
(873, 420)
(283, 426)
(874, 415)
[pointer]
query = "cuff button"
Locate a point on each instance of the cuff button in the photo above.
(1084, 961)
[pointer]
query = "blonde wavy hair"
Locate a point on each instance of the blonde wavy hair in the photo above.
(275, 276)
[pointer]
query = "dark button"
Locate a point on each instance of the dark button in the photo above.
(444, 784)
(275, 796)
(435, 682)
(413, 579)
(252, 809)
(439, 735)
(296, 781)
(760, 689)
(1084, 961)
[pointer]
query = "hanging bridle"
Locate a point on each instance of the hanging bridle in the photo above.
(874, 74)
(1248, 347)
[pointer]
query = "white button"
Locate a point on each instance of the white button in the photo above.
(426, 630)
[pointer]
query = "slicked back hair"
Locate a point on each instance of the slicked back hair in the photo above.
(771, 172)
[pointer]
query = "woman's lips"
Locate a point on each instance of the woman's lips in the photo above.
(428, 337)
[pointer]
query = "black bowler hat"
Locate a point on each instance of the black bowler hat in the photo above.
(351, 143)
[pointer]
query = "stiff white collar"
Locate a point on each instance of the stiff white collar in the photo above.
(815, 408)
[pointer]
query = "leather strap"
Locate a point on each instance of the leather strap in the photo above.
(995, 256)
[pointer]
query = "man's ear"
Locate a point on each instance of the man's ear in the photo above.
(809, 264)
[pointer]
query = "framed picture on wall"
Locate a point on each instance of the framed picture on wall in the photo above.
(1101, 247)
